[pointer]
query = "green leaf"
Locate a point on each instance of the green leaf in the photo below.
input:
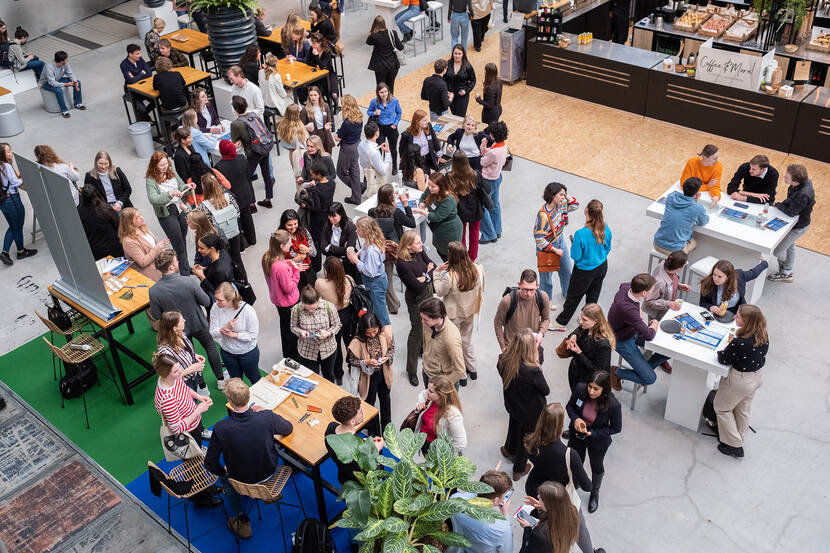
(387, 461)
(402, 481)
(367, 455)
(451, 538)
(390, 438)
(442, 455)
(367, 546)
(349, 486)
(425, 527)
(359, 502)
(480, 502)
(345, 446)
(395, 524)
(348, 521)
(374, 528)
(385, 499)
(442, 510)
(485, 514)
(430, 549)
(415, 444)
(474, 487)
(413, 505)
(463, 469)
(360, 477)
(396, 543)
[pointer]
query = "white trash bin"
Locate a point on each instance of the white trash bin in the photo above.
(143, 24)
(141, 132)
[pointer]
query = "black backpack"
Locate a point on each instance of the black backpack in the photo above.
(312, 536)
(4, 55)
(58, 316)
(79, 378)
(514, 299)
(262, 141)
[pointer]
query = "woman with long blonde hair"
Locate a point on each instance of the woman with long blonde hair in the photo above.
(369, 261)
(460, 283)
(589, 251)
(524, 390)
(282, 275)
(590, 345)
(274, 96)
(292, 133)
(140, 245)
(110, 181)
(292, 21)
(440, 409)
(165, 190)
(558, 527)
(348, 135)
(172, 341)
(317, 118)
(314, 152)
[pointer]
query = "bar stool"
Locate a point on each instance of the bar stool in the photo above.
(421, 21)
(703, 267)
(10, 122)
(435, 10)
(660, 257)
(636, 388)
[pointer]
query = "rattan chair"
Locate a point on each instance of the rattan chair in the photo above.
(78, 323)
(269, 491)
(193, 471)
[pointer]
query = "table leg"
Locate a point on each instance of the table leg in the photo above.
(130, 328)
(119, 369)
(318, 492)
(687, 392)
(756, 287)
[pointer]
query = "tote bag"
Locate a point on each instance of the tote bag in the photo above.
(570, 488)
(178, 445)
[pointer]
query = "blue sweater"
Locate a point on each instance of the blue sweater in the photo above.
(585, 251)
(390, 114)
(140, 70)
(349, 132)
(682, 215)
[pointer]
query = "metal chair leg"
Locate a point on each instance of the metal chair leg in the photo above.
(86, 413)
(297, 491)
(169, 531)
(282, 529)
(112, 377)
(186, 527)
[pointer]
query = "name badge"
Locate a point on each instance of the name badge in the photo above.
(579, 403)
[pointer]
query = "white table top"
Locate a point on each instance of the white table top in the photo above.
(372, 202)
(686, 351)
(761, 240)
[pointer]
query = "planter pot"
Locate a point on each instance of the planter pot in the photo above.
(231, 30)
(154, 3)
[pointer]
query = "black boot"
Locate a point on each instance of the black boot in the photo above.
(593, 501)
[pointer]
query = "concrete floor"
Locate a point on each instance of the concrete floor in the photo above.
(667, 488)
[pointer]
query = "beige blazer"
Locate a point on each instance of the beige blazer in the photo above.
(460, 305)
(142, 254)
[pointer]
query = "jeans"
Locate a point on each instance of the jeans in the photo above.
(565, 267)
(459, 28)
(785, 252)
(76, 94)
(582, 283)
(15, 215)
(433, 116)
(35, 65)
(491, 222)
(641, 371)
(240, 364)
(234, 501)
(405, 15)
(175, 228)
(376, 286)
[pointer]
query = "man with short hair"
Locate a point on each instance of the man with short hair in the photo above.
(134, 68)
(58, 75)
(523, 307)
(246, 442)
(434, 90)
(759, 182)
(177, 59)
(248, 90)
(443, 354)
(799, 203)
(174, 292)
(487, 537)
(682, 214)
(374, 159)
(630, 332)
(241, 137)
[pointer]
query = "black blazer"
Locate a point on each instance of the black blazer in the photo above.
(471, 207)
(455, 138)
(328, 161)
(465, 79)
(171, 88)
(217, 272)
(383, 55)
(325, 28)
(204, 124)
(432, 141)
(524, 398)
(604, 426)
(120, 186)
(595, 356)
(434, 90)
(190, 166)
(710, 299)
(236, 171)
(101, 231)
(395, 223)
(348, 238)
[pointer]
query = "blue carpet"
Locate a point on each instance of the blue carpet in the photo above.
(209, 532)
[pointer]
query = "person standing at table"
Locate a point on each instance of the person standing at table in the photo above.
(799, 203)
(746, 354)
(316, 323)
(348, 417)
(620, 12)
(439, 206)
(434, 90)
(459, 15)
(374, 159)
(491, 103)
(369, 261)
(524, 389)
(241, 86)
(387, 111)
(667, 287)
(443, 350)
(170, 85)
(336, 287)
(630, 332)
(759, 182)
(348, 137)
(274, 96)
(317, 118)
(370, 355)
(421, 135)
(727, 285)
(415, 270)
(139, 244)
(549, 234)
(493, 159)
(482, 10)
(707, 168)
(466, 140)
(589, 251)
(322, 57)
(412, 8)
(242, 135)
(165, 192)
(384, 61)
(134, 68)
(460, 78)
(177, 59)
(590, 345)
(235, 169)
(110, 181)
(12, 207)
(682, 214)
(58, 75)
(282, 275)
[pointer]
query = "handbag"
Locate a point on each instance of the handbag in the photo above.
(58, 316)
(570, 488)
(246, 291)
(508, 162)
(547, 262)
(411, 420)
(178, 445)
(562, 350)
(400, 54)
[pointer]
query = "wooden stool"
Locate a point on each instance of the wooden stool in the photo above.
(78, 322)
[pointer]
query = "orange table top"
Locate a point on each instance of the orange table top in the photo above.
(195, 40)
(301, 73)
(191, 75)
(4, 91)
(276, 34)
(139, 302)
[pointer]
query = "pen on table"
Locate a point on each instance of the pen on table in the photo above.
(294, 401)
(138, 286)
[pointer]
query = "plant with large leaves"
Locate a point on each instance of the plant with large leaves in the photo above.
(230, 26)
(400, 504)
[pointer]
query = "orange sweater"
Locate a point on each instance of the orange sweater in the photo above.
(711, 176)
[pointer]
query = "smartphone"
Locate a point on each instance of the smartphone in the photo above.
(507, 495)
(707, 315)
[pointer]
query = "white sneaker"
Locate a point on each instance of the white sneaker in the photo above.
(203, 391)
(553, 307)
(225, 374)
(556, 326)
(221, 383)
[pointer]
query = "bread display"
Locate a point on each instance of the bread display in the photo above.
(691, 20)
(716, 25)
(741, 30)
(820, 42)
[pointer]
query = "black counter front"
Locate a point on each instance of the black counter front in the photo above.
(812, 128)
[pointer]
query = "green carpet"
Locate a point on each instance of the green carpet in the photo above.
(122, 438)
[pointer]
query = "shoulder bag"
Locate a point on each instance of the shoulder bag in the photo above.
(411, 420)
(400, 54)
(508, 162)
(570, 488)
(178, 445)
(562, 350)
(547, 262)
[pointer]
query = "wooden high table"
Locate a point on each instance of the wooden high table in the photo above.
(129, 308)
(197, 42)
(301, 75)
(275, 36)
(305, 448)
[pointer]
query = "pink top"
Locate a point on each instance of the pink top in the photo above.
(175, 405)
(493, 161)
(428, 422)
(282, 284)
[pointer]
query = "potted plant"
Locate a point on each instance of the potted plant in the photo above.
(400, 505)
(230, 26)
(154, 3)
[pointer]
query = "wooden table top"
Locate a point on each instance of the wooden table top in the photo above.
(301, 73)
(191, 75)
(196, 40)
(276, 34)
(139, 302)
(4, 91)
(308, 442)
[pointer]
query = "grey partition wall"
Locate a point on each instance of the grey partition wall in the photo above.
(40, 17)
(55, 210)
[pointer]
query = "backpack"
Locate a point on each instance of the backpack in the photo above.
(224, 219)
(261, 138)
(514, 299)
(312, 536)
(79, 378)
(5, 61)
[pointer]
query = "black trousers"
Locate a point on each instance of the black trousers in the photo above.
(504, 5)
(175, 228)
(378, 390)
(234, 248)
(619, 25)
(288, 338)
(582, 283)
(324, 366)
(387, 133)
(596, 452)
(515, 443)
(479, 30)
(387, 77)
(262, 161)
(246, 225)
(345, 336)
(459, 104)
(203, 336)
(413, 341)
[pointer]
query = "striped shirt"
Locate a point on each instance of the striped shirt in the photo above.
(550, 224)
(186, 356)
(175, 405)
